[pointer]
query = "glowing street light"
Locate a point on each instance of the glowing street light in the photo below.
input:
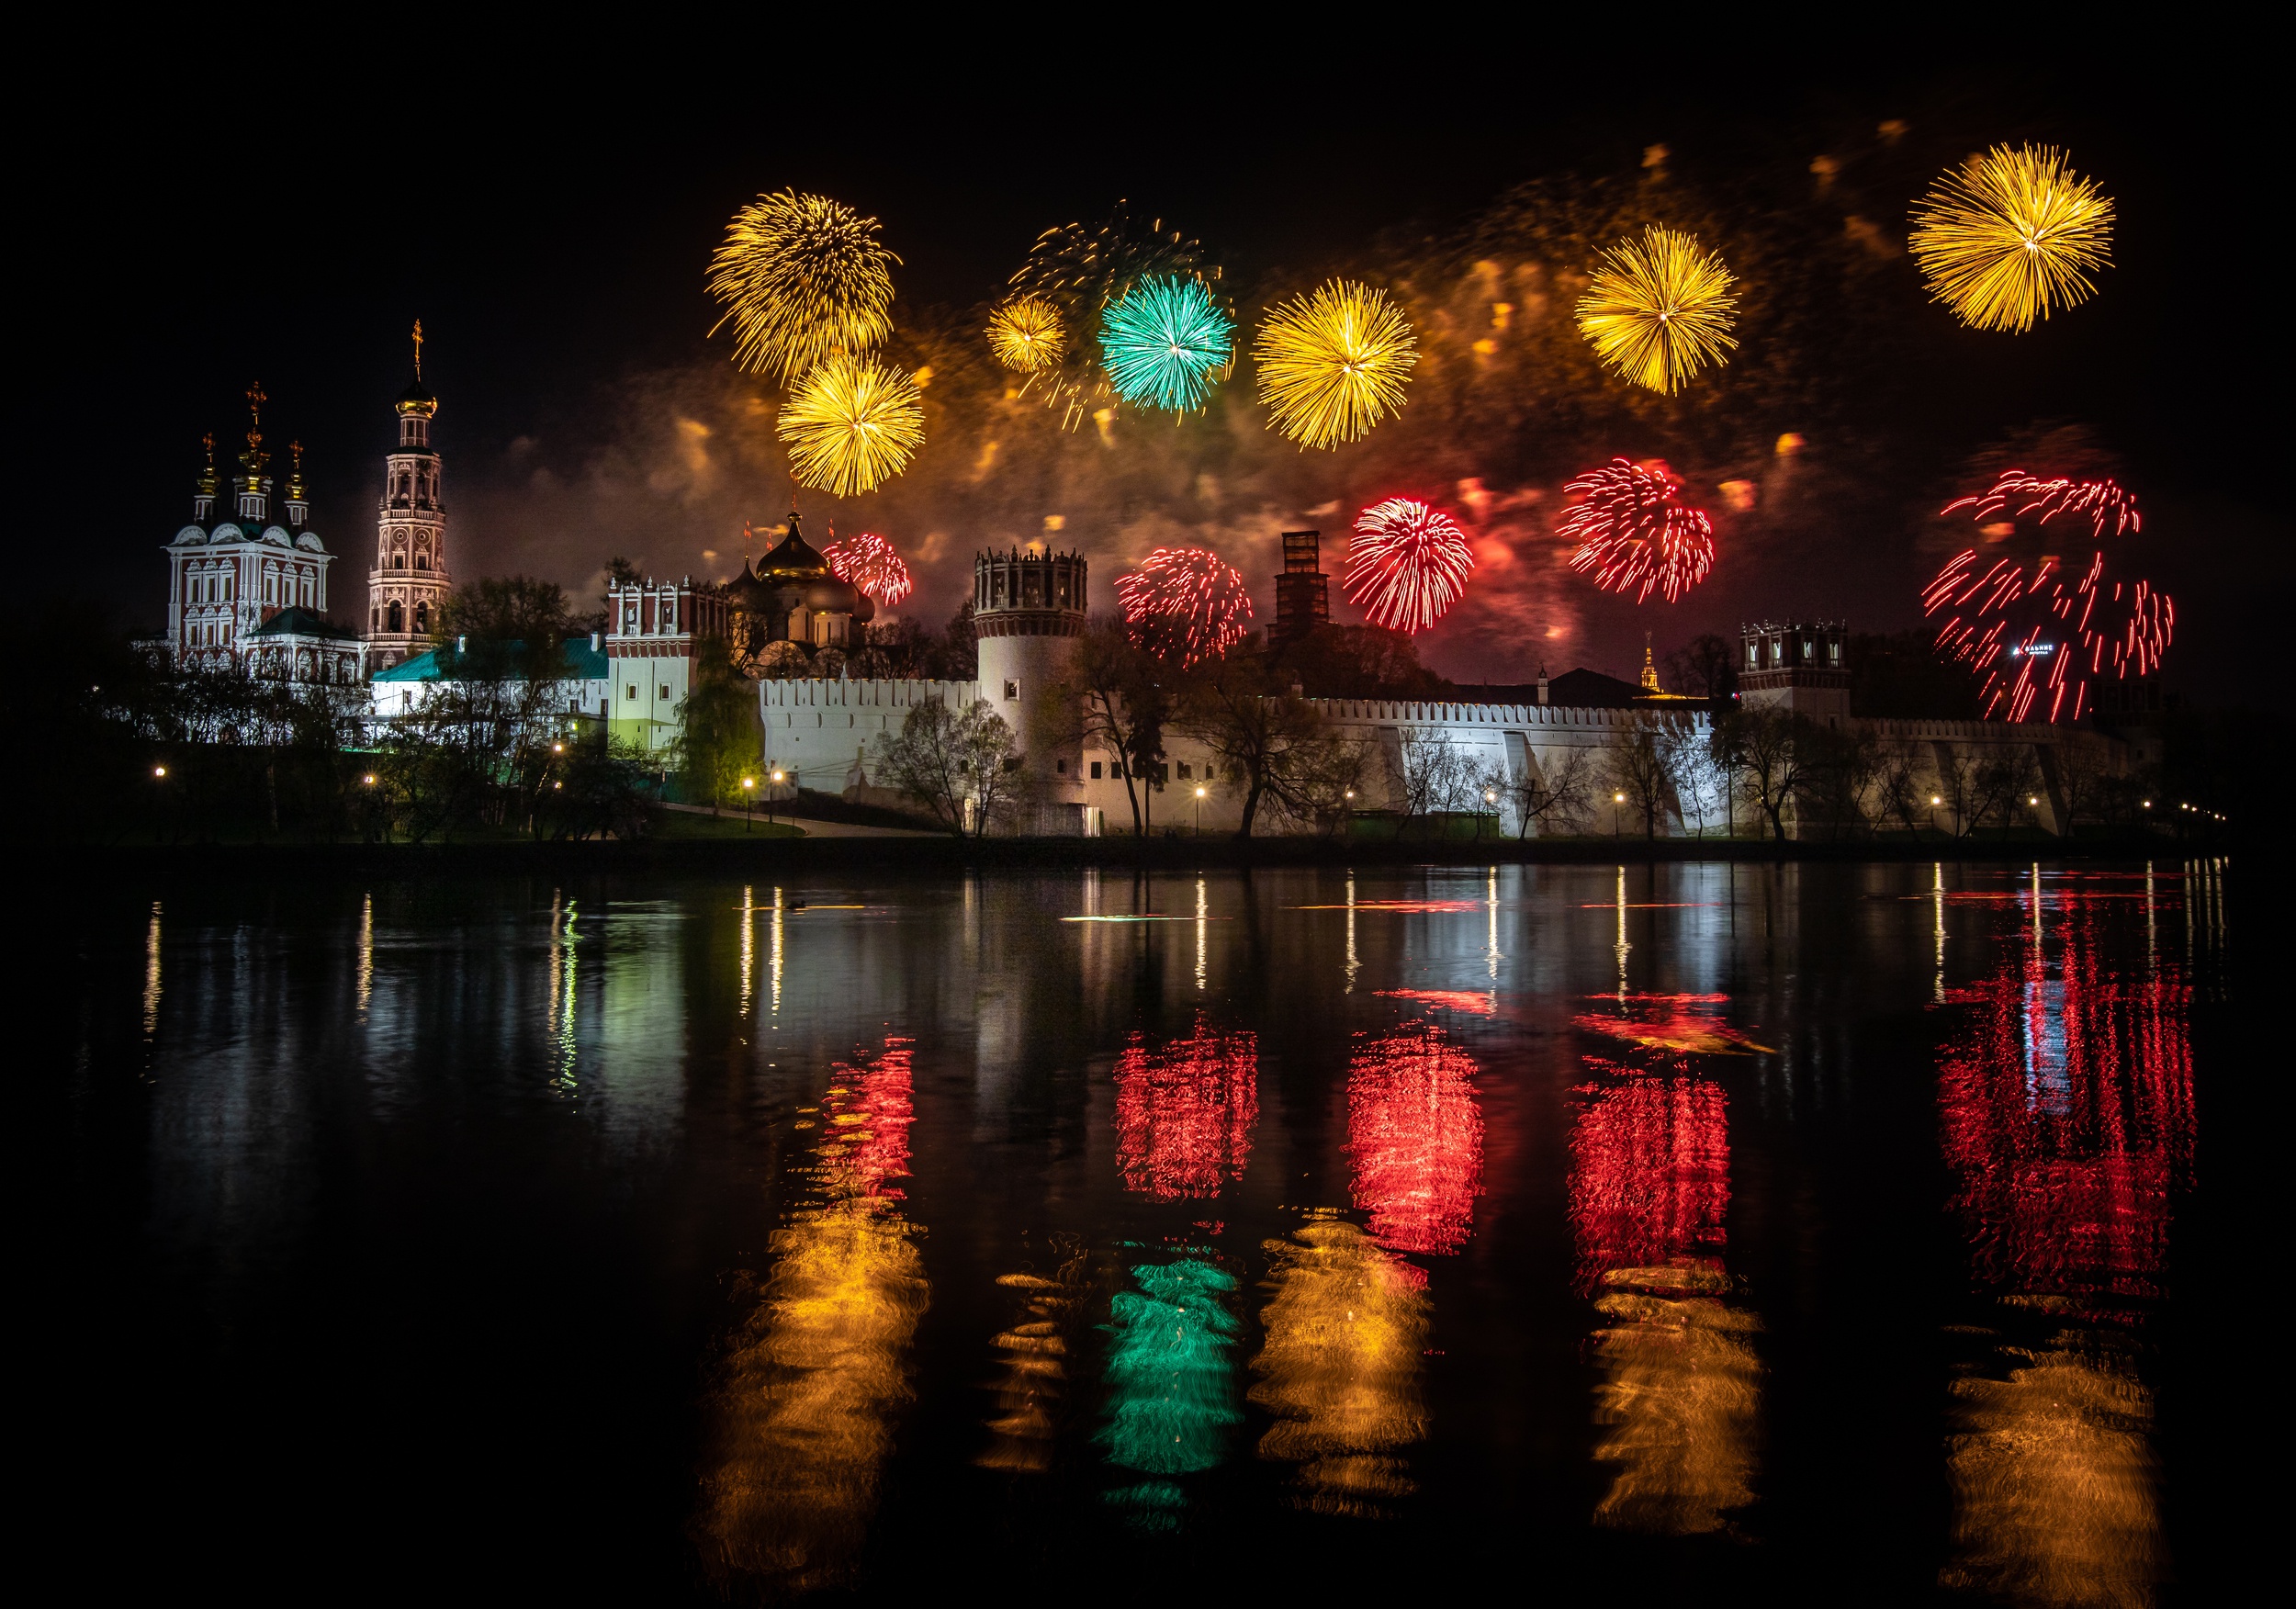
(748, 802)
(1617, 799)
(1199, 812)
(158, 770)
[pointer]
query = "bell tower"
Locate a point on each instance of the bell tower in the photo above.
(408, 582)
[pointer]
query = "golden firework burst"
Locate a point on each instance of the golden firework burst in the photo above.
(852, 423)
(802, 276)
(1660, 309)
(1026, 335)
(1335, 363)
(2010, 235)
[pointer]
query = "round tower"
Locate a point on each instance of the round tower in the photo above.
(1027, 611)
(408, 582)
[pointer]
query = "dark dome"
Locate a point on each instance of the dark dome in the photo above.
(417, 398)
(749, 595)
(793, 560)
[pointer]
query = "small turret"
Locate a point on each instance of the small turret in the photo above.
(299, 507)
(253, 486)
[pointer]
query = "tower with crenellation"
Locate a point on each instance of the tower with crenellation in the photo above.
(410, 582)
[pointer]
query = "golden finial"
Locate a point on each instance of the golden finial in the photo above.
(1650, 670)
(418, 349)
(253, 460)
(207, 473)
(294, 476)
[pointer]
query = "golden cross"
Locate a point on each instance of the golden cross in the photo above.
(418, 349)
(255, 399)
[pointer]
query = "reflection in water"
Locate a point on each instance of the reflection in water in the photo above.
(802, 1415)
(2067, 1117)
(1650, 1173)
(1171, 1401)
(1681, 1391)
(1036, 1353)
(1415, 1138)
(1184, 1112)
(1649, 1191)
(1684, 1024)
(2054, 1481)
(152, 975)
(1340, 1371)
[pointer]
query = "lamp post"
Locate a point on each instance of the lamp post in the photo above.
(158, 776)
(769, 798)
(1490, 796)
(1617, 801)
(1199, 812)
(748, 802)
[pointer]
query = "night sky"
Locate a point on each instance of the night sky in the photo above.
(551, 226)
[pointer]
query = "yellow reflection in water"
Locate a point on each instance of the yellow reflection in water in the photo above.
(1035, 1352)
(1340, 1371)
(1681, 1393)
(152, 975)
(2053, 1482)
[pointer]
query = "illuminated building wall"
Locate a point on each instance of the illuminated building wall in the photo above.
(803, 1414)
(1415, 1138)
(1340, 1371)
(1185, 1111)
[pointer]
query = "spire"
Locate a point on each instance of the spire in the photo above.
(418, 349)
(254, 459)
(417, 398)
(205, 485)
(294, 476)
(1650, 670)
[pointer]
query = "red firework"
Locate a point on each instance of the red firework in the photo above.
(1186, 602)
(869, 562)
(2036, 624)
(1407, 564)
(1632, 533)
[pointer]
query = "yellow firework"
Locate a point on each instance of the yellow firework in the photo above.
(1335, 363)
(1026, 334)
(2010, 235)
(1660, 309)
(852, 423)
(802, 276)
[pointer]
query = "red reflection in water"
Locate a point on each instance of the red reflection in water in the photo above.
(1680, 1023)
(1184, 1113)
(1415, 1138)
(867, 1112)
(1448, 999)
(1650, 1172)
(2066, 1109)
(1421, 906)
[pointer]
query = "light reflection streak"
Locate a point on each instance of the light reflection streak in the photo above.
(1680, 1024)
(1352, 965)
(1623, 948)
(1937, 886)
(1492, 948)
(1171, 1398)
(1650, 1172)
(802, 1417)
(748, 944)
(1415, 1138)
(366, 953)
(1346, 1328)
(1035, 1352)
(1185, 1113)
(152, 975)
(1203, 912)
(565, 982)
(773, 962)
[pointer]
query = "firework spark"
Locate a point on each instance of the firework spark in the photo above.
(852, 423)
(1632, 533)
(1658, 309)
(1186, 602)
(2036, 624)
(2017, 494)
(802, 277)
(1026, 335)
(1333, 364)
(2011, 235)
(869, 562)
(1163, 342)
(1078, 270)
(1407, 564)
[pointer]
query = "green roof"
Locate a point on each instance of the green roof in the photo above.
(582, 664)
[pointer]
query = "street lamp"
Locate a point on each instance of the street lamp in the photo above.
(748, 802)
(1617, 799)
(1199, 812)
(158, 770)
(769, 798)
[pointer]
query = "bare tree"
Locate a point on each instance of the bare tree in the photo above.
(1903, 790)
(961, 767)
(1437, 774)
(1958, 786)
(1266, 738)
(1706, 667)
(2006, 779)
(2081, 774)
(1554, 799)
(1635, 765)
(1700, 781)
(1115, 700)
(1765, 747)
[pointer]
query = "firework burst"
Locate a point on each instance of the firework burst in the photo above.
(1333, 364)
(852, 423)
(2011, 235)
(869, 562)
(2044, 626)
(1026, 335)
(1186, 602)
(802, 277)
(2016, 495)
(1632, 533)
(1164, 342)
(1407, 564)
(1078, 270)
(1658, 309)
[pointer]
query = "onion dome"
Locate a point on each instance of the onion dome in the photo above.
(796, 570)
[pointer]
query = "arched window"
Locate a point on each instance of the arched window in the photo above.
(423, 561)
(398, 620)
(423, 617)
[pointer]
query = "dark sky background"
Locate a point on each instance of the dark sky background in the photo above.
(550, 222)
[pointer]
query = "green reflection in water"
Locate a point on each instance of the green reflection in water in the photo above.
(1169, 1368)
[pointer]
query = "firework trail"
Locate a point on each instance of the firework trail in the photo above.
(1333, 364)
(852, 423)
(1658, 309)
(802, 277)
(1185, 603)
(1406, 565)
(2034, 626)
(1164, 342)
(1632, 533)
(869, 562)
(2011, 235)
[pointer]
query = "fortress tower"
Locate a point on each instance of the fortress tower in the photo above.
(1027, 611)
(409, 582)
